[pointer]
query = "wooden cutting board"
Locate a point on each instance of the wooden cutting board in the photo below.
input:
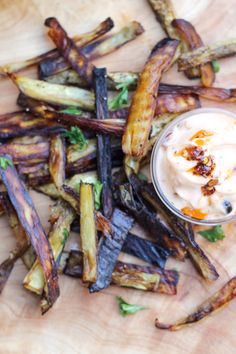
(88, 324)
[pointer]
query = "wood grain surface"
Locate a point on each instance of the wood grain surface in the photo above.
(90, 324)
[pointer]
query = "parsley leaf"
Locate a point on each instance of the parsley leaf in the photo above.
(97, 194)
(126, 308)
(216, 66)
(4, 163)
(120, 100)
(214, 234)
(142, 176)
(76, 136)
(72, 110)
(65, 233)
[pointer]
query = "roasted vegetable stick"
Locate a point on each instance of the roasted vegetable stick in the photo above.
(109, 249)
(88, 235)
(80, 40)
(130, 275)
(189, 35)
(55, 94)
(221, 298)
(68, 49)
(29, 219)
(207, 53)
(145, 278)
(148, 219)
(103, 142)
(176, 103)
(200, 259)
(143, 103)
(146, 250)
(94, 50)
(34, 280)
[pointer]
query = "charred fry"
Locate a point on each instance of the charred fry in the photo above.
(88, 233)
(96, 49)
(207, 53)
(143, 104)
(30, 221)
(103, 142)
(215, 302)
(176, 103)
(80, 40)
(193, 41)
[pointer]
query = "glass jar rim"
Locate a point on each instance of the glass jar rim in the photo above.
(154, 176)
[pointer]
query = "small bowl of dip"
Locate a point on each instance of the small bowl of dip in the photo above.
(193, 166)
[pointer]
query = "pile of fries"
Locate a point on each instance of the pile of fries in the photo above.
(71, 141)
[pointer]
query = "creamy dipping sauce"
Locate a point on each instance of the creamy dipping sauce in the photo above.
(196, 166)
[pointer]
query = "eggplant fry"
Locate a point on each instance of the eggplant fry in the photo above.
(58, 235)
(176, 103)
(109, 249)
(190, 36)
(130, 275)
(143, 103)
(67, 48)
(156, 227)
(88, 234)
(184, 231)
(207, 53)
(95, 50)
(38, 151)
(145, 278)
(146, 250)
(81, 40)
(103, 142)
(221, 298)
(29, 219)
(55, 94)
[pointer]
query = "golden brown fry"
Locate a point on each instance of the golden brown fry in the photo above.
(189, 35)
(176, 104)
(88, 234)
(143, 103)
(215, 302)
(207, 53)
(68, 49)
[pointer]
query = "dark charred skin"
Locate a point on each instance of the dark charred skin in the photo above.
(221, 298)
(80, 41)
(29, 220)
(183, 230)
(189, 35)
(156, 227)
(210, 93)
(169, 103)
(67, 48)
(109, 249)
(38, 151)
(146, 250)
(103, 142)
(94, 50)
(143, 104)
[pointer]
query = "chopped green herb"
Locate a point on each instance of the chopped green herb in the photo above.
(214, 234)
(72, 110)
(126, 308)
(216, 66)
(142, 176)
(4, 163)
(97, 194)
(65, 233)
(76, 136)
(120, 100)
